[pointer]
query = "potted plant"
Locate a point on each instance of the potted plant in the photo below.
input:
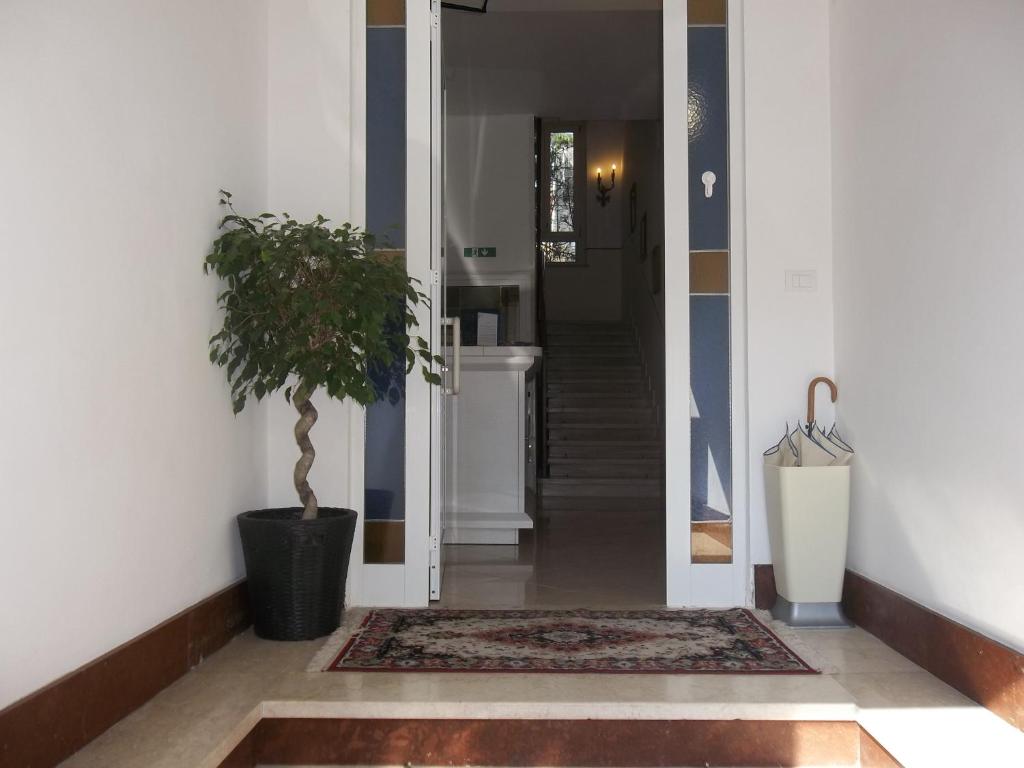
(307, 309)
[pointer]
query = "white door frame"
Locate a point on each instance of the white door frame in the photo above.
(403, 585)
(705, 585)
(418, 258)
(678, 571)
(686, 584)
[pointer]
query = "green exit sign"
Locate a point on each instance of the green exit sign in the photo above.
(479, 253)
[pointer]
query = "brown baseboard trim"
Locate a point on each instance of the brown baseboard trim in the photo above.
(53, 723)
(299, 741)
(873, 754)
(764, 586)
(976, 665)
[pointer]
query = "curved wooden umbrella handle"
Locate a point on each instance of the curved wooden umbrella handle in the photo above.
(834, 391)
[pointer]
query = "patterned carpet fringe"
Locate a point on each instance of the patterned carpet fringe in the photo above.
(795, 643)
(650, 641)
(350, 622)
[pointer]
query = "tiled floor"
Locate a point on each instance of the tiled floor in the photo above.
(919, 719)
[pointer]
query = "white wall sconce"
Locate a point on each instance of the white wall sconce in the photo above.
(603, 192)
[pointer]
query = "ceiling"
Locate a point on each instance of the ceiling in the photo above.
(579, 65)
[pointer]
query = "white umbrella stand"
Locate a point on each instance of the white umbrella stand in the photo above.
(808, 495)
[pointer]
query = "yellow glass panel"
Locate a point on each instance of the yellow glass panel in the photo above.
(706, 12)
(385, 13)
(711, 542)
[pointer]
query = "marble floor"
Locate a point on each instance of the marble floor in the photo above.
(919, 719)
(586, 552)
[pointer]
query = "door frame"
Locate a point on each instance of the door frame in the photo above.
(406, 584)
(686, 584)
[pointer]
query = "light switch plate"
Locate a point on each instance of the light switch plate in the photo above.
(802, 280)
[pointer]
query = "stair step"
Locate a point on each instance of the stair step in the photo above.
(553, 504)
(653, 444)
(638, 461)
(591, 367)
(570, 432)
(598, 418)
(584, 344)
(584, 376)
(621, 335)
(618, 391)
(596, 389)
(604, 349)
(564, 327)
(646, 471)
(598, 410)
(598, 453)
(595, 400)
(637, 488)
(592, 361)
(601, 432)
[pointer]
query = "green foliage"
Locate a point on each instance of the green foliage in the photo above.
(310, 301)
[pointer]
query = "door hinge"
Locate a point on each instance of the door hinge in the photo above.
(435, 277)
(434, 544)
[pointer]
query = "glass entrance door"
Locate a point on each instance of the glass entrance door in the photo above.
(444, 331)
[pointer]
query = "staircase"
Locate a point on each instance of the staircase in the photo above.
(602, 433)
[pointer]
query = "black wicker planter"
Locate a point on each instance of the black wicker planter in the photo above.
(296, 570)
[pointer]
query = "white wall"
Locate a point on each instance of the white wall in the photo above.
(593, 293)
(929, 177)
(490, 203)
(789, 225)
(309, 159)
(642, 308)
(122, 466)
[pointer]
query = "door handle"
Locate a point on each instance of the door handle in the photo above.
(456, 326)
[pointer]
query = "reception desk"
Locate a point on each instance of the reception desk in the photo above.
(490, 446)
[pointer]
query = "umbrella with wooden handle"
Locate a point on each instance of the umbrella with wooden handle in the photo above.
(833, 389)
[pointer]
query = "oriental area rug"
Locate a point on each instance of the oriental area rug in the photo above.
(581, 641)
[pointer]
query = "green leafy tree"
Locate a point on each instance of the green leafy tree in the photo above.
(309, 307)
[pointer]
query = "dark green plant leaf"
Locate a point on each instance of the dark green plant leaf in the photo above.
(305, 300)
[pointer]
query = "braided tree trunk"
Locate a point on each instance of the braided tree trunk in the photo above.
(307, 418)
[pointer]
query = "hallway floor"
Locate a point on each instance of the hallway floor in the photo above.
(589, 553)
(922, 721)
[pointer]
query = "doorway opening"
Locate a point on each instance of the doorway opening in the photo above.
(577, 243)
(554, 211)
